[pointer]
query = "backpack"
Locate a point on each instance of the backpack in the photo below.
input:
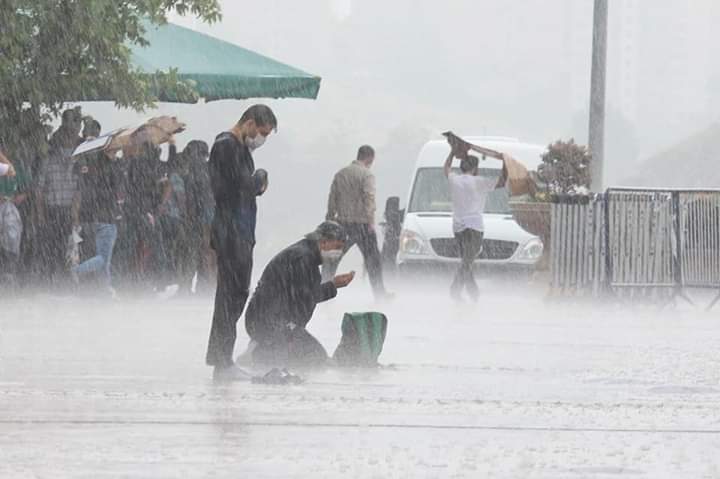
(363, 336)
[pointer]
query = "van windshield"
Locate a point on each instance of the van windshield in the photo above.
(431, 193)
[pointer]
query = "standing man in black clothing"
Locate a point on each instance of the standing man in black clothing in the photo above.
(286, 296)
(235, 185)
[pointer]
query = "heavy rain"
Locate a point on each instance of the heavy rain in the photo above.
(359, 239)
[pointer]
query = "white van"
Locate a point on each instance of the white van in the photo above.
(427, 237)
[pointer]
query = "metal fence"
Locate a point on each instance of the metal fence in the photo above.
(577, 261)
(641, 238)
(699, 219)
(636, 243)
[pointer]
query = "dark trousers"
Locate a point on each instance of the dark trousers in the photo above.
(195, 258)
(175, 245)
(235, 262)
(290, 348)
(58, 226)
(149, 257)
(469, 244)
(206, 263)
(366, 239)
(27, 270)
(8, 270)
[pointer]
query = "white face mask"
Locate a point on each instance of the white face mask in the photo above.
(331, 255)
(255, 143)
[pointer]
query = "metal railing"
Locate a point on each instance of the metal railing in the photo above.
(699, 219)
(578, 244)
(641, 238)
(637, 243)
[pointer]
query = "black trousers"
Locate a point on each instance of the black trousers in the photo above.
(8, 270)
(290, 348)
(195, 258)
(360, 234)
(175, 245)
(470, 244)
(235, 262)
(57, 229)
(144, 235)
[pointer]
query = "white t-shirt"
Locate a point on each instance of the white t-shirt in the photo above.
(4, 168)
(468, 195)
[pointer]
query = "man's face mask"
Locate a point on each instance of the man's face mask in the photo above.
(331, 255)
(255, 143)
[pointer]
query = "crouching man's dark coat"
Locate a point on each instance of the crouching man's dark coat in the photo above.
(285, 298)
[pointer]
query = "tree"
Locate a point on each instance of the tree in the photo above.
(54, 51)
(565, 168)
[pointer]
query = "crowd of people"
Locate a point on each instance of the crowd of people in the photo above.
(97, 218)
(92, 217)
(133, 218)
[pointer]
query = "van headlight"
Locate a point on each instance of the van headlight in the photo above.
(412, 243)
(532, 250)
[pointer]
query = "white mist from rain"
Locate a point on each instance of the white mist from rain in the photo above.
(395, 74)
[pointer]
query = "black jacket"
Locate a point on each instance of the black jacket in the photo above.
(288, 291)
(143, 175)
(234, 187)
(198, 193)
(98, 181)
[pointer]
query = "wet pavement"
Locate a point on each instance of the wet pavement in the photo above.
(515, 386)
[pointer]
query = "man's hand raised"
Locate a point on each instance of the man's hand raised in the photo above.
(461, 149)
(458, 146)
(342, 280)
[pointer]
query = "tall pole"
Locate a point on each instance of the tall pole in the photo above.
(596, 132)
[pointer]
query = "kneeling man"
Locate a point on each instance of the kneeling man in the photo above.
(286, 296)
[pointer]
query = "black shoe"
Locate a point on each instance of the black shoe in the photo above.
(229, 374)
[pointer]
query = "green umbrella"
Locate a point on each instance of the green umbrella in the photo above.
(218, 69)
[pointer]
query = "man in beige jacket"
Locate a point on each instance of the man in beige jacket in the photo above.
(352, 204)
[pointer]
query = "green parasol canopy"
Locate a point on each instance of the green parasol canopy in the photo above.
(218, 69)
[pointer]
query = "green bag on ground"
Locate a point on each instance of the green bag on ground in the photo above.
(363, 336)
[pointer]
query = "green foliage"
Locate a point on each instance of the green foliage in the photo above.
(565, 168)
(55, 51)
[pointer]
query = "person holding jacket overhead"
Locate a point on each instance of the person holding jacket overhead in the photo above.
(468, 192)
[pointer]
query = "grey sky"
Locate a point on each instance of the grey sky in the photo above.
(395, 74)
